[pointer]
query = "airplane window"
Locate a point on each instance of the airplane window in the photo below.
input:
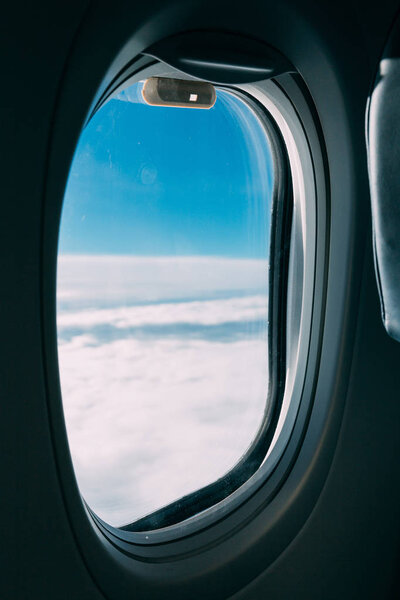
(162, 299)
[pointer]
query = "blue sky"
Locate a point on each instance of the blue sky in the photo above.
(155, 181)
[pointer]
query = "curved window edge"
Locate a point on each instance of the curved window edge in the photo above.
(296, 273)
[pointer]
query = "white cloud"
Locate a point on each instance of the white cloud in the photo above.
(211, 312)
(100, 281)
(150, 419)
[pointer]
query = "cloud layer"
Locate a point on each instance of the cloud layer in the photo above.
(164, 387)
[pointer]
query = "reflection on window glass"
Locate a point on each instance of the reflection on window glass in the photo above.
(162, 299)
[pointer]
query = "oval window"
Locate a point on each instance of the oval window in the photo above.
(162, 296)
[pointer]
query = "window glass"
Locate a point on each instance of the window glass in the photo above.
(162, 299)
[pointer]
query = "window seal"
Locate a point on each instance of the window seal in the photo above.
(270, 98)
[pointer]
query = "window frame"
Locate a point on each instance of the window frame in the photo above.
(256, 528)
(269, 98)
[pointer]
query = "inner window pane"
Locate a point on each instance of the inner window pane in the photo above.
(162, 299)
